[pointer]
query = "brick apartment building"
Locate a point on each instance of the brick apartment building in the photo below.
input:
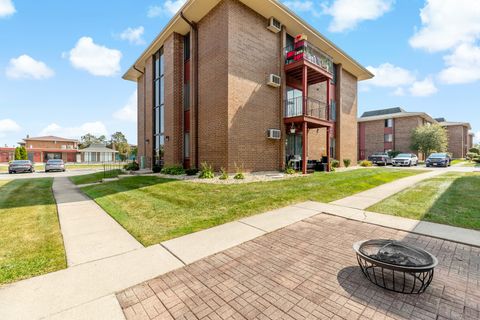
(208, 91)
(387, 130)
(460, 140)
(41, 149)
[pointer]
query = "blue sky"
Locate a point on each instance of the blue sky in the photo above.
(61, 61)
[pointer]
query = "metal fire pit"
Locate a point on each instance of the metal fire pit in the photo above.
(395, 265)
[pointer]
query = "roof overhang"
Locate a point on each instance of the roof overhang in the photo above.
(195, 10)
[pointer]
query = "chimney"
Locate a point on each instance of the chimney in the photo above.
(28, 136)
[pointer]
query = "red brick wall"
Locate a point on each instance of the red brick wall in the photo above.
(346, 126)
(374, 137)
(457, 136)
(149, 111)
(403, 133)
(253, 106)
(213, 87)
(140, 117)
(29, 144)
(173, 55)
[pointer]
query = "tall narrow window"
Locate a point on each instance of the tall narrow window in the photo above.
(333, 110)
(388, 123)
(186, 77)
(159, 107)
(388, 138)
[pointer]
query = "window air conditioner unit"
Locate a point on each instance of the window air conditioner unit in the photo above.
(274, 81)
(274, 134)
(274, 25)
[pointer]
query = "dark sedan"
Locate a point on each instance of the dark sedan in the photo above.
(20, 166)
(438, 160)
(380, 158)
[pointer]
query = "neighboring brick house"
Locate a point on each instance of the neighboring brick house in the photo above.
(388, 130)
(41, 149)
(204, 94)
(459, 138)
(7, 154)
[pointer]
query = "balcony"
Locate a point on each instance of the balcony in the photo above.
(316, 112)
(303, 53)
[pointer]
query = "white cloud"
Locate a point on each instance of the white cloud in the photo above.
(399, 92)
(6, 8)
(8, 126)
(347, 14)
(389, 75)
(95, 128)
(423, 88)
(447, 24)
(133, 35)
(96, 59)
(129, 111)
(26, 67)
(169, 7)
(299, 5)
(463, 65)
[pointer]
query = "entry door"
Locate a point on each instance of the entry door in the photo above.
(294, 105)
(293, 148)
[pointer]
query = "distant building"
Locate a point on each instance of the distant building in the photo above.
(460, 140)
(389, 130)
(98, 153)
(41, 149)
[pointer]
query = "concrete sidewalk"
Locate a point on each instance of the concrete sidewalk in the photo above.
(89, 233)
(366, 199)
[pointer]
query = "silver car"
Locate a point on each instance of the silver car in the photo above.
(405, 159)
(17, 166)
(55, 165)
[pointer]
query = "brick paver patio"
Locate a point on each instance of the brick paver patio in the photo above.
(307, 271)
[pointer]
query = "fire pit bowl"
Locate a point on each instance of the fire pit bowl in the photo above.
(395, 265)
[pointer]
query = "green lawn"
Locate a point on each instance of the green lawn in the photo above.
(154, 209)
(458, 161)
(451, 198)
(30, 240)
(95, 177)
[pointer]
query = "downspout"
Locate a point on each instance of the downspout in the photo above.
(144, 112)
(194, 47)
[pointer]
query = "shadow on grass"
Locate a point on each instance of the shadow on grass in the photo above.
(26, 192)
(458, 205)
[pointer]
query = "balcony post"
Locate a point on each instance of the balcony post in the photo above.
(328, 149)
(304, 147)
(305, 89)
(328, 100)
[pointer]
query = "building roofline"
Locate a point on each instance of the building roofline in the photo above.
(423, 115)
(452, 123)
(49, 138)
(195, 10)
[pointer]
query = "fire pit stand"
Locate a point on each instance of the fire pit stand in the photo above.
(395, 265)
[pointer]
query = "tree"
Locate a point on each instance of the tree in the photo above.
(474, 150)
(89, 139)
(21, 153)
(119, 142)
(428, 139)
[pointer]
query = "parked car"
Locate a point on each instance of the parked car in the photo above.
(438, 159)
(405, 159)
(55, 165)
(17, 166)
(380, 158)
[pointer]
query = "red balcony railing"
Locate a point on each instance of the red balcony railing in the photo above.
(314, 108)
(303, 50)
